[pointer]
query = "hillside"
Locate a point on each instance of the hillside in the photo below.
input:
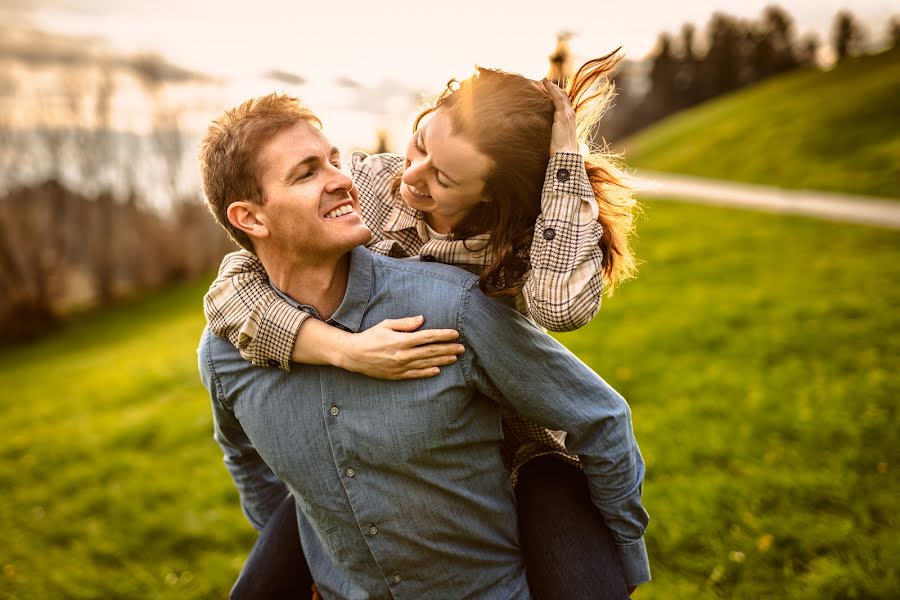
(761, 373)
(836, 130)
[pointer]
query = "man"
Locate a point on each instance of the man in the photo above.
(400, 487)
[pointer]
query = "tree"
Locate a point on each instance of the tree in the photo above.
(894, 32)
(808, 53)
(561, 60)
(775, 48)
(847, 35)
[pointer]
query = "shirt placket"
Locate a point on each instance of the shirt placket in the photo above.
(354, 478)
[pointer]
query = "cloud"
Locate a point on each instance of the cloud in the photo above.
(387, 97)
(285, 77)
(346, 82)
(37, 48)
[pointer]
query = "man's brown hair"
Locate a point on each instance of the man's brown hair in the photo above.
(229, 156)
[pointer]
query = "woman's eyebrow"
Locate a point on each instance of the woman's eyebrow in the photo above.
(437, 168)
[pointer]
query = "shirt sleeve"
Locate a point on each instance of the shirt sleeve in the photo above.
(260, 489)
(242, 307)
(564, 288)
(510, 360)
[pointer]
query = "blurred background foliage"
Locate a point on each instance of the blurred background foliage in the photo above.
(759, 352)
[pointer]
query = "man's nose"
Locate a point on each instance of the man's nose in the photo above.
(339, 181)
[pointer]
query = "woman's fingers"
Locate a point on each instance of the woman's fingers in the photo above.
(407, 324)
(433, 361)
(432, 351)
(426, 336)
(430, 336)
(420, 373)
(563, 134)
(558, 95)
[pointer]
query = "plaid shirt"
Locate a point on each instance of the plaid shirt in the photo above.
(561, 291)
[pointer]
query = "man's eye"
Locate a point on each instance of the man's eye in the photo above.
(304, 176)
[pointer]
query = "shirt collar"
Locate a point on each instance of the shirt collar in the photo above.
(401, 217)
(350, 313)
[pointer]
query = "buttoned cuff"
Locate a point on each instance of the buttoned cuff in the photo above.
(277, 334)
(566, 175)
(635, 564)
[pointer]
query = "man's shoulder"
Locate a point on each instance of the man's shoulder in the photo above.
(218, 356)
(440, 274)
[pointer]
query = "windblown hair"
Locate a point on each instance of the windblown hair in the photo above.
(508, 118)
(230, 153)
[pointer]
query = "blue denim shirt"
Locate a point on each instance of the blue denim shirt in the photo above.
(400, 487)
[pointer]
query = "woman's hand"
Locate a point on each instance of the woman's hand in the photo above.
(393, 349)
(563, 135)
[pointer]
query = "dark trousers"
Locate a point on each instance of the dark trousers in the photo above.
(276, 567)
(568, 550)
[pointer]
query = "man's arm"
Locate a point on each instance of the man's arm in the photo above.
(512, 361)
(261, 491)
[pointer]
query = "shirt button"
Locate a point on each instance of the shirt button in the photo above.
(373, 530)
(397, 579)
(428, 258)
(334, 411)
(273, 363)
(562, 175)
(549, 233)
(350, 472)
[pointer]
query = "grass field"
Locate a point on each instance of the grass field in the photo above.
(760, 354)
(837, 130)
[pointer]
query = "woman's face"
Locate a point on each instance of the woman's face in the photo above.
(445, 175)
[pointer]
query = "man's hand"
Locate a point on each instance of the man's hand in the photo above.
(394, 350)
(563, 135)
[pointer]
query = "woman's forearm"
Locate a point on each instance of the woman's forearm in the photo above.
(319, 343)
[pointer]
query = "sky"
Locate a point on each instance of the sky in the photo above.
(364, 66)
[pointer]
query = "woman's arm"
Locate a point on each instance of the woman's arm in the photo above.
(243, 307)
(565, 285)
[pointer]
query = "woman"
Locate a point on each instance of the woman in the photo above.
(475, 189)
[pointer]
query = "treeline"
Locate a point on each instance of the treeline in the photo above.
(91, 211)
(689, 68)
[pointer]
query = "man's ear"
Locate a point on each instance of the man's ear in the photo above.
(245, 216)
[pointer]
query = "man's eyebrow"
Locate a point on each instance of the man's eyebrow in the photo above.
(293, 173)
(436, 168)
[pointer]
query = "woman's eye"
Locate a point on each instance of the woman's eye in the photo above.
(441, 183)
(419, 145)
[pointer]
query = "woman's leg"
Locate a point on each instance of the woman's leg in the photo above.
(569, 551)
(276, 566)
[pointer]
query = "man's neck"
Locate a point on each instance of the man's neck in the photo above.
(318, 283)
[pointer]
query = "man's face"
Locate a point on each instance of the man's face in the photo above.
(311, 208)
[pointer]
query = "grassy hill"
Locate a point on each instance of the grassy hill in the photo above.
(836, 130)
(760, 354)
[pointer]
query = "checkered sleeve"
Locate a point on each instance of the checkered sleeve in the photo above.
(242, 306)
(564, 287)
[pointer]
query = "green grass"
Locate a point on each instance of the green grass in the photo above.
(837, 130)
(760, 354)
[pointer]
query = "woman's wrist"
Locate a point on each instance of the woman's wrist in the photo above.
(318, 343)
(339, 353)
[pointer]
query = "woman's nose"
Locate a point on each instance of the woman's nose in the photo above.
(414, 173)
